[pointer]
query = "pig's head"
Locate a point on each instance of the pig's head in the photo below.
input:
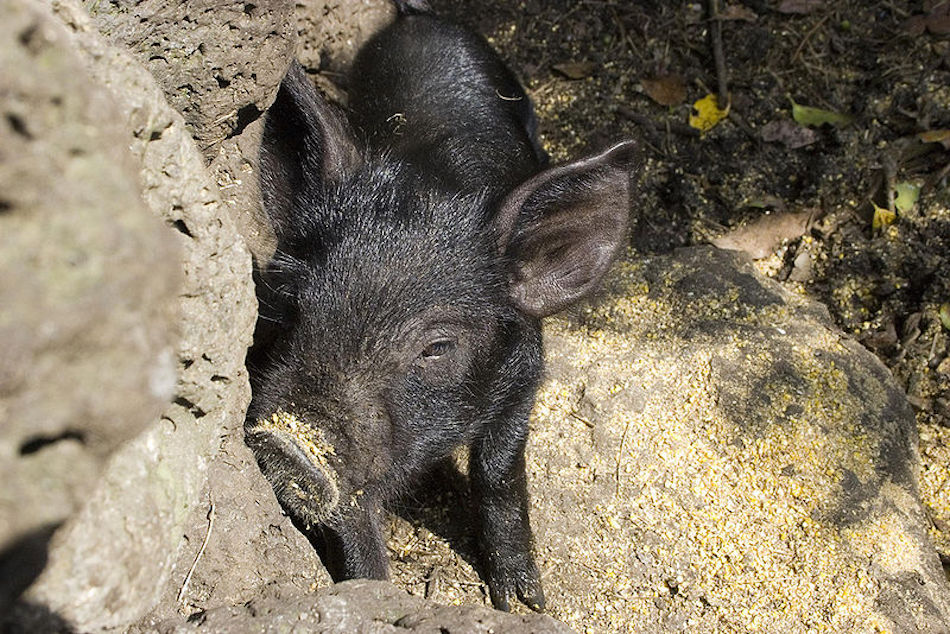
(401, 318)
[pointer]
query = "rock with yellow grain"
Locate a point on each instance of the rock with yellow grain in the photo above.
(727, 460)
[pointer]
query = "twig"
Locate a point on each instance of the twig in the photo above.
(715, 34)
(939, 176)
(623, 439)
(811, 31)
(650, 133)
(933, 352)
(647, 122)
(624, 38)
(890, 178)
(573, 414)
(740, 121)
(204, 544)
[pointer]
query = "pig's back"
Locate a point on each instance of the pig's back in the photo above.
(438, 96)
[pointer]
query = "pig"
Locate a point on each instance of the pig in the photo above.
(420, 242)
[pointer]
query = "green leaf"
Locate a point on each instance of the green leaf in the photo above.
(945, 315)
(814, 117)
(905, 196)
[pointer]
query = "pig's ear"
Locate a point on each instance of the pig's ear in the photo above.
(563, 228)
(306, 144)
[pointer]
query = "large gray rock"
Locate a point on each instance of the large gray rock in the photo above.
(88, 291)
(218, 63)
(330, 33)
(131, 546)
(708, 451)
(362, 606)
(711, 453)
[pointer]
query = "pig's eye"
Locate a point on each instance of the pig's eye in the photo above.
(438, 349)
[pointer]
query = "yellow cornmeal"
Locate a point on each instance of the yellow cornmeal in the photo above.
(310, 438)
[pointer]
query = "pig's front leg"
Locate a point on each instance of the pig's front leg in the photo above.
(499, 486)
(356, 546)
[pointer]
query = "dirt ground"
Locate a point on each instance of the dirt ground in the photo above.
(592, 65)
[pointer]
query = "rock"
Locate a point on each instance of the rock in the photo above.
(328, 36)
(361, 606)
(234, 168)
(740, 461)
(220, 67)
(127, 552)
(708, 451)
(330, 33)
(88, 297)
(219, 64)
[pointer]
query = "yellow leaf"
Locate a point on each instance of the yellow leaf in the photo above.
(882, 218)
(814, 117)
(708, 114)
(936, 136)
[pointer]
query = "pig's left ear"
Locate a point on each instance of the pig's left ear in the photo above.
(563, 228)
(306, 144)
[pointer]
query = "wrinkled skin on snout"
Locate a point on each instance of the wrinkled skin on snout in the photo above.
(418, 250)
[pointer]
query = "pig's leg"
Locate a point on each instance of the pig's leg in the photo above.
(499, 486)
(356, 545)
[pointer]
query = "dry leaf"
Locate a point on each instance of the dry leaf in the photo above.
(936, 136)
(768, 202)
(800, 7)
(761, 237)
(738, 12)
(915, 25)
(575, 70)
(788, 133)
(667, 90)
(938, 24)
(708, 114)
(936, 19)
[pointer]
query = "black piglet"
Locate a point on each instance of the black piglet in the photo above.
(420, 243)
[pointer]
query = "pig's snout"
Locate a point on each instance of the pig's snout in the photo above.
(294, 457)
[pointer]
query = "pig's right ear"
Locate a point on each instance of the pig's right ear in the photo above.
(564, 227)
(306, 145)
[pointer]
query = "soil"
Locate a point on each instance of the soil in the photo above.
(585, 65)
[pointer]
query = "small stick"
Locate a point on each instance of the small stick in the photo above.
(581, 419)
(811, 31)
(890, 178)
(647, 122)
(935, 180)
(715, 34)
(184, 586)
(623, 439)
